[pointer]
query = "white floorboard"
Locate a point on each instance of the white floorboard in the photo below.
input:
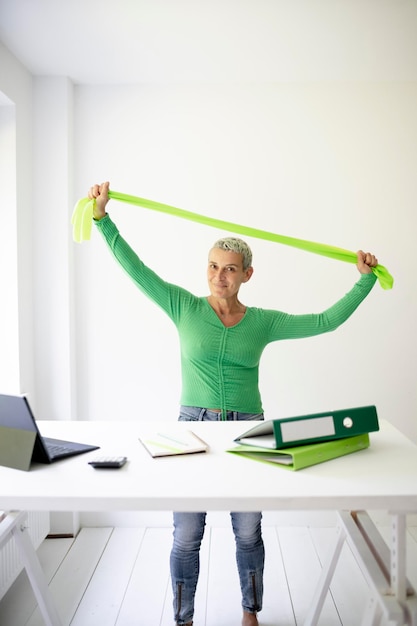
(120, 577)
(277, 605)
(303, 568)
(147, 589)
(105, 594)
(74, 573)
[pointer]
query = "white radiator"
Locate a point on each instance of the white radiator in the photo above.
(10, 561)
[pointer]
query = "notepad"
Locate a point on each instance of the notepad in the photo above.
(171, 443)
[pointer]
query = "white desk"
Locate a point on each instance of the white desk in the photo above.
(383, 477)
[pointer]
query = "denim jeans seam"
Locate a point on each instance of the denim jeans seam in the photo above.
(249, 565)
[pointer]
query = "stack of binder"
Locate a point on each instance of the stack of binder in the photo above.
(305, 440)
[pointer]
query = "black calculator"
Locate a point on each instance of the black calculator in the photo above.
(108, 462)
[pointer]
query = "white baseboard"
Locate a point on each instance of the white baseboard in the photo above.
(156, 519)
(214, 518)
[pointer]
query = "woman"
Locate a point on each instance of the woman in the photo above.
(221, 343)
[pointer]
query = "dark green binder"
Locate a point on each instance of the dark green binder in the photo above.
(316, 427)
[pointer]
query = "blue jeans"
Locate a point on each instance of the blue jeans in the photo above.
(188, 534)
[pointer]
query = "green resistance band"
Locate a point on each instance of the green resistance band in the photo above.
(83, 215)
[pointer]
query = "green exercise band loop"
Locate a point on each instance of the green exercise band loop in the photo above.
(83, 215)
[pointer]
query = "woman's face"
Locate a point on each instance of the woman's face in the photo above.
(225, 273)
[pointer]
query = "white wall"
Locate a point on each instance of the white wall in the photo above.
(53, 248)
(330, 162)
(9, 327)
(16, 315)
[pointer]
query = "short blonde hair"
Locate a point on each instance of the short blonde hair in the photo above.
(236, 245)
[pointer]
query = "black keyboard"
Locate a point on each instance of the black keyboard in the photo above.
(57, 450)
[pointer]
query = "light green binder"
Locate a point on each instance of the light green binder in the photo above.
(298, 457)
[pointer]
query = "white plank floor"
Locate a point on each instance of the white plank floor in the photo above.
(120, 577)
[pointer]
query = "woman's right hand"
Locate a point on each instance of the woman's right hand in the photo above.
(100, 193)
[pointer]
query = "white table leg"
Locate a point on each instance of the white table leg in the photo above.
(18, 530)
(401, 587)
(383, 609)
(398, 556)
(325, 579)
